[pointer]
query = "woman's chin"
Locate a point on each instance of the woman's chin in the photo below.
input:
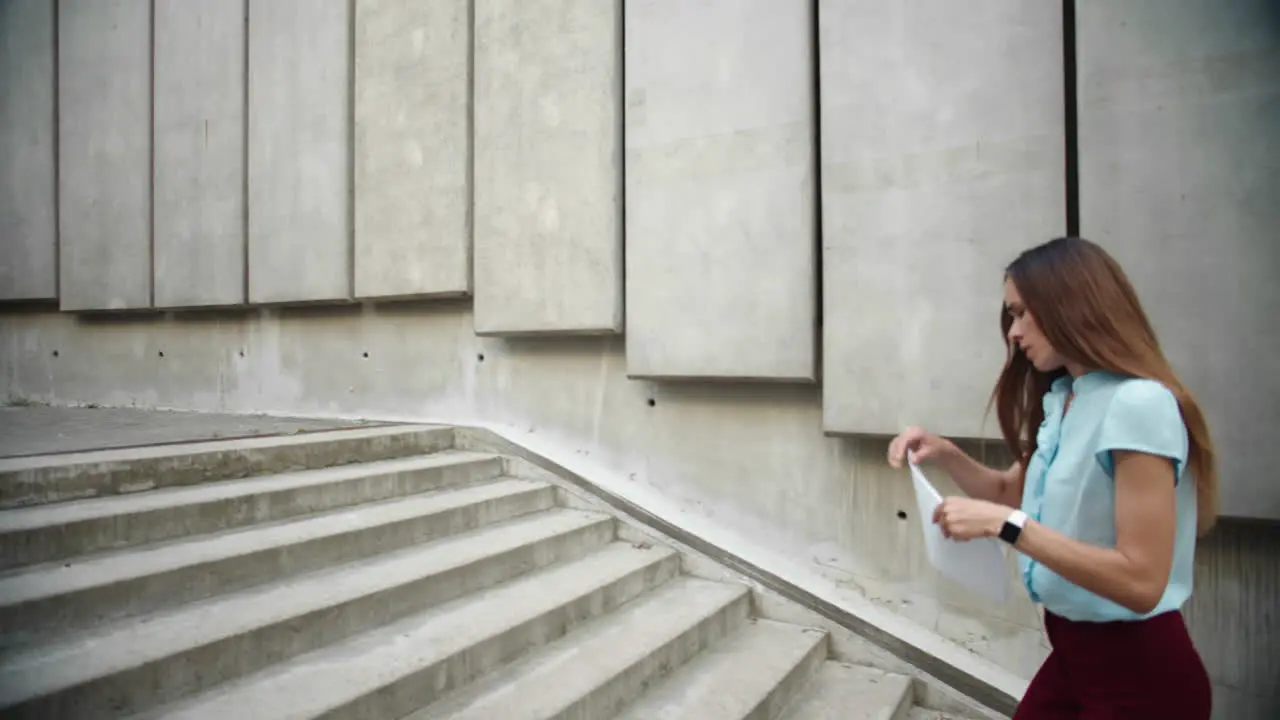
(1038, 364)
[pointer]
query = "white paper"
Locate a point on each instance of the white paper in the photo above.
(977, 564)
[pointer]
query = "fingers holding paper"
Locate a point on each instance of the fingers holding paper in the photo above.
(920, 444)
(966, 518)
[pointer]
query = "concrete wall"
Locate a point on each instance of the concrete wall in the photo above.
(720, 187)
(942, 157)
(940, 127)
(104, 154)
(1180, 177)
(199, 164)
(299, 171)
(752, 457)
(28, 175)
(412, 148)
(548, 167)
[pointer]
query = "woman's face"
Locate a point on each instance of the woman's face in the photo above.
(1025, 333)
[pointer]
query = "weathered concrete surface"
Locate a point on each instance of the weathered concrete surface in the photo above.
(942, 157)
(140, 662)
(199, 152)
(396, 669)
(548, 167)
(1232, 618)
(62, 530)
(317, 608)
(28, 151)
(783, 590)
(58, 601)
(609, 665)
(1179, 178)
(36, 430)
(104, 155)
(753, 459)
(40, 479)
(412, 148)
(854, 693)
(720, 190)
(754, 672)
(299, 150)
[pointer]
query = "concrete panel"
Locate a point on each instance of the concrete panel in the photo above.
(548, 175)
(942, 158)
(200, 152)
(299, 150)
(413, 152)
(104, 137)
(1179, 178)
(28, 151)
(721, 213)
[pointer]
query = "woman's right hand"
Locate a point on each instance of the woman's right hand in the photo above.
(922, 446)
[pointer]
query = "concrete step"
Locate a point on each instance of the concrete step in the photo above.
(851, 692)
(751, 675)
(52, 532)
(919, 713)
(597, 669)
(65, 597)
(136, 664)
(43, 479)
(395, 670)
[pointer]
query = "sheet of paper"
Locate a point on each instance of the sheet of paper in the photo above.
(977, 564)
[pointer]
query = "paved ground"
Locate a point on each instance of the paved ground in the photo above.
(39, 430)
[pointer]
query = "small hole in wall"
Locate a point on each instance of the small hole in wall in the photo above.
(902, 514)
(652, 402)
(241, 353)
(161, 353)
(55, 353)
(480, 357)
(364, 354)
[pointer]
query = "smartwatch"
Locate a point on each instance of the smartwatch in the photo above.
(1013, 527)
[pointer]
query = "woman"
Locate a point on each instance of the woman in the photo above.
(1113, 479)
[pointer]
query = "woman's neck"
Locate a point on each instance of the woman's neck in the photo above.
(1076, 369)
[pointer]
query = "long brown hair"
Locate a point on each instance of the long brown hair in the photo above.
(1087, 309)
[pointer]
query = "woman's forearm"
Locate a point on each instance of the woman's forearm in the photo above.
(982, 482)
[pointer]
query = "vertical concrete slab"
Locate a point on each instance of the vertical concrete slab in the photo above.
(942, 158)
(28, 151)
(413, 154)
(720, 190)
(200, 152)
(1179, 107)
(104, 156)
(299, 150)
(548, 173)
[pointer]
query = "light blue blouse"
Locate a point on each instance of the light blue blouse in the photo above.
(1070, 485)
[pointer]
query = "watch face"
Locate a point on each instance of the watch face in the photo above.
(1009, 533)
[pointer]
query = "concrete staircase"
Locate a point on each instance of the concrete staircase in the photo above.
(373, 573)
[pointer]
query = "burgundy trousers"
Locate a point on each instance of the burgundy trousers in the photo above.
(1119, 670)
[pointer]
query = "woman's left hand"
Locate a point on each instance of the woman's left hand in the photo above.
(963, 518)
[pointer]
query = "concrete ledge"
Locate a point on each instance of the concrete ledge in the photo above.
(42, 479)
(949, 663)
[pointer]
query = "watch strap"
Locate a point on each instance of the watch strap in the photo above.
(1012, 528)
